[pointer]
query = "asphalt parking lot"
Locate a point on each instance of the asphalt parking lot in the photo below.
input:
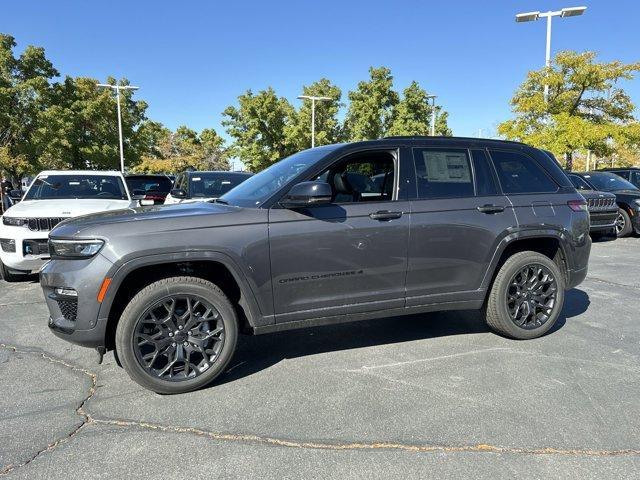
(423, 396)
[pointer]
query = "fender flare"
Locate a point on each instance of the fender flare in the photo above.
(248, 300)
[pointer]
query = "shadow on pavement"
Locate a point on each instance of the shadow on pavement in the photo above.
(256, 353)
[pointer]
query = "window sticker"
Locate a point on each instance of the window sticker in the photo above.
(450, 167)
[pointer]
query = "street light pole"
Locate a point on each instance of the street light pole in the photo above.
(433, 114)
(117, 88)
(313, 113)
(532, 16)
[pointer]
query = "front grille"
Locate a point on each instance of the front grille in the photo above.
(69, 309)
(600, 203)
(43, 224)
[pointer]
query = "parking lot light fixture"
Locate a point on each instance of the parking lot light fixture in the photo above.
(433, 114)
(117, 88)
(532, 16)
(313, 99)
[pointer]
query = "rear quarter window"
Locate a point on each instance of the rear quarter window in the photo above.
(519, 173)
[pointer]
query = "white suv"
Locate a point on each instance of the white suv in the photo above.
(52, 197)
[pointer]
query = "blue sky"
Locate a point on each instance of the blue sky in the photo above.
(193, 58)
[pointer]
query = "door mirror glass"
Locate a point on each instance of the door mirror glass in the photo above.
(306, 194)
(178, 193)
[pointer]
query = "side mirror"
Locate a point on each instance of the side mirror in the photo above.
(178, 193)
(307, 194)
(15, 194)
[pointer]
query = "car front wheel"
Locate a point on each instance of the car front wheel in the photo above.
(623, 223)
(177, 335)
(526, 297)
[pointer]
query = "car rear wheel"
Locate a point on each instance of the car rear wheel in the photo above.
(526, 297)
(623, 223)
(177, 335)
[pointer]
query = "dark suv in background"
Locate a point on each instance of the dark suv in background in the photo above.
(631, 174)
(602, 206)
(331, 234)
(627, 199)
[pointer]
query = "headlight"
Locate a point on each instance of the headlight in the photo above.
(637, 201)
(74, 248)
(14, 221)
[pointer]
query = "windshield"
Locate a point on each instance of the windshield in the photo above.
(579, 183)
(150, 183)
(263, 185)
(56, 187)
(214, 184)
(609, 182)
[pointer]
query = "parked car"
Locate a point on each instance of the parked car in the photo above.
(194, 186)
(631, 174)
(53, 197)
(153, 188)
(317, 239)
(602, 206)
(627, 199)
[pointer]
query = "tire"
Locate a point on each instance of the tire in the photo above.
(169, 297)
(497, 309)
(6, 274)
(623, 223)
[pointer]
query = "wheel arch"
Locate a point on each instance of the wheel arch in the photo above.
(216, 267)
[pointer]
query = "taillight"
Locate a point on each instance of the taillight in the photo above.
(578, 205)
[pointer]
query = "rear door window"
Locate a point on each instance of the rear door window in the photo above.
(443, 173)
(485, 178)
(519, 173)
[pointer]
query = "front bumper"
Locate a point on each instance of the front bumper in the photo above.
(602, 221)
(30, 248)
(77, 322)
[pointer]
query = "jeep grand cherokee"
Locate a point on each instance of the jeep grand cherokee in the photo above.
(331, 234)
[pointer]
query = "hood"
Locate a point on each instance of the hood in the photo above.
(630, 193)
(63, 208)
(143, 220)
(596, 194)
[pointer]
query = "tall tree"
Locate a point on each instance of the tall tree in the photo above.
(371, 109)
(412, 114)
(24, 92)
(258, 128)
(585, 110)
(327, 125)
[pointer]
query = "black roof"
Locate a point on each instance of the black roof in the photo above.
(617, 169)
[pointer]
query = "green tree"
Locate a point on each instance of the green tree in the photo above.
(585, 110)
(371, 106)
(24, 92)
(327, 125)
(412, 114)
(257, 126)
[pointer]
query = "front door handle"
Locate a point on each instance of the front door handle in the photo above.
(491, 209)
(385, 215)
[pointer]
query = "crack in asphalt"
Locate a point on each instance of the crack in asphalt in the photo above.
(88, 419)
(79, 410)
(614, 284)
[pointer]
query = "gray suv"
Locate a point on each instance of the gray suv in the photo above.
(336, 233)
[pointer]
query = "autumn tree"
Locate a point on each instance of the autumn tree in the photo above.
(586, 109)
(412, 115)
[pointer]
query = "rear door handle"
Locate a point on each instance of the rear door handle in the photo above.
(491, 209)
(385, 215)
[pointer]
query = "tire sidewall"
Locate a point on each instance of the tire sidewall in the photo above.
(511, 268)
(626, 231)
(155, 293)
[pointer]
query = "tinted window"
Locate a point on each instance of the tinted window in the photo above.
(635, 178)
(519, 173)
(443, 173)
(363, 177)
(609, 182)
(76, 186)
(485, 179)
(579, 183)
(214, 184)
(149, 184)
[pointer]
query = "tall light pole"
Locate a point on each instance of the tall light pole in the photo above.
(313, 99)
(433, 114)
(117, 88)
(532, 16)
